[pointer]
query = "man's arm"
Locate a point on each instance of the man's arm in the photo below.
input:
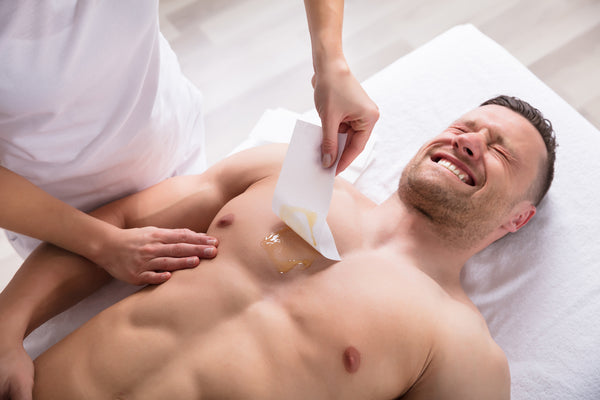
(53, 279)
(468, 363)
(481, 373)
(340, 100)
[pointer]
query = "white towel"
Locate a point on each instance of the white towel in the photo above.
(538, 289)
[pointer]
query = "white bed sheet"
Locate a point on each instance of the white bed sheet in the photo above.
(539, 289)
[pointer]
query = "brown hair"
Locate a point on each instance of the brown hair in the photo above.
(544, 127)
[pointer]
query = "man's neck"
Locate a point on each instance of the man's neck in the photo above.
(411, 234)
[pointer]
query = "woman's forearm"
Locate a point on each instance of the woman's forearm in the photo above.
(325, 20)
(27, 209)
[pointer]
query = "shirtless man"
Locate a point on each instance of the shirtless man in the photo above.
(390, 320)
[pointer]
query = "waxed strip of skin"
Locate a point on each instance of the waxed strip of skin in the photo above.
(287, 250)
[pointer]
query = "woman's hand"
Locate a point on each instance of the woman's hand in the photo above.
(343, 106)
(148, 255)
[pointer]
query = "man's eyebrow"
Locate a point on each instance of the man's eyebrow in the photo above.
(496, 136)
(469, 123)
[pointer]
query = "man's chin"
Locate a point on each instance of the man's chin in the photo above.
(433, 189)
(436, 200)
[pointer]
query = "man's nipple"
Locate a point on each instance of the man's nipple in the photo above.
(225, 220)
(351, 359)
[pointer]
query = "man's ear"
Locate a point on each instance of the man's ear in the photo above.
(522, 213)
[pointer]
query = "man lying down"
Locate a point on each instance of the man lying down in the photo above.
(388, 321)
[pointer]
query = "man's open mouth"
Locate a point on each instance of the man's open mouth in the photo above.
(451, 166)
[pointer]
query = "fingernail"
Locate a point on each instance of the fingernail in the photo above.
(212, 242)
(326, 160)
(210, 251)
(193, 261)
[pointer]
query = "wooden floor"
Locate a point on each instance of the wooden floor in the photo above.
(250, 55)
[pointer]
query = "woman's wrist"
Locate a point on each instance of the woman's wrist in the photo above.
(331, 63)
(13, 323)
(87, 236)
(96, 245)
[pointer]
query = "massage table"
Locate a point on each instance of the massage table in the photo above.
(538, 289)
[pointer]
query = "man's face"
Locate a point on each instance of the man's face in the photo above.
(468, 179)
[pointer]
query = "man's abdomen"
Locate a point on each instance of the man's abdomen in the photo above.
(198, 336)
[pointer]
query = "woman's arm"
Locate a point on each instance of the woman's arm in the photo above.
(340, 100)
(53, 279)
(27, 209)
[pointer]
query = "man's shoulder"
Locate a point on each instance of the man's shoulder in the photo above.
(244, 168)
(467, 363)
(266, 156)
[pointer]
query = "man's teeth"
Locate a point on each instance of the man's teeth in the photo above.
(453, 168)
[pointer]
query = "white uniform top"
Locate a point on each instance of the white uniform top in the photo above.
(93, 105)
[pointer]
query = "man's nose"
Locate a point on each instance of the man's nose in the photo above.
(470, 144)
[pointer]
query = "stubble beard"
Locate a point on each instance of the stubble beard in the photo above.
(458, 219)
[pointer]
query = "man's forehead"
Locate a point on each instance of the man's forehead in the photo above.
(502, 121)
(489, 113)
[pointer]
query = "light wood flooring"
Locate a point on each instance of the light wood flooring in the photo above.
(250, 55)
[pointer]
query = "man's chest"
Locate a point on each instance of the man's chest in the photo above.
(367, 285)
(250, 232)
(368, 314)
